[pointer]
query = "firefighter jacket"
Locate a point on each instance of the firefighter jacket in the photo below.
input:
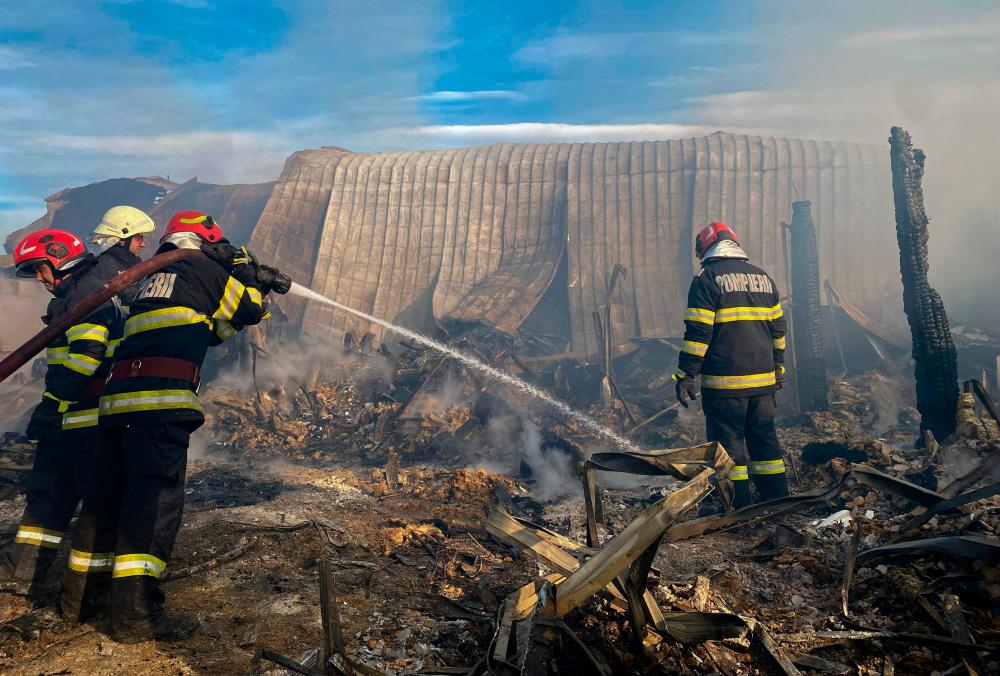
(114, 261)
(734, 330)
(177, 314)
(79, 359)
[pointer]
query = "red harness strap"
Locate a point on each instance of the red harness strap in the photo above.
(156, 367)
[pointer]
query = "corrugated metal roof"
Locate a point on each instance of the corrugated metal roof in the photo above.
(476, 234)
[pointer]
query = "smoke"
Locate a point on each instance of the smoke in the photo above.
(851, 72)
(551, 468)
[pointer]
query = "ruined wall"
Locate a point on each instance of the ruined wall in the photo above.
(476, 234)
(237, 208)
(79, 209)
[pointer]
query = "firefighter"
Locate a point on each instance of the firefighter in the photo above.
(148, 411)
(65, 422)
(122, 234)
(734, 339)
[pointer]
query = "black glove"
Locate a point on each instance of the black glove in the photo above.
(273, 279)
(46, 421)
(686, 389)
(225, 254)
(779, 376)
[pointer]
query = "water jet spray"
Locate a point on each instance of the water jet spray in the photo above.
(564, 409)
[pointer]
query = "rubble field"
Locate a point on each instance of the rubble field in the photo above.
(386, 474)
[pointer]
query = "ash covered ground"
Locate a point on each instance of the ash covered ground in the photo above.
(387, 466)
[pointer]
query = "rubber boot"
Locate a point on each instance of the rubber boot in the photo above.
(85, 597)
(741, 494)
(31, 569)
(137, 613)
(168, 627)
(771, 486)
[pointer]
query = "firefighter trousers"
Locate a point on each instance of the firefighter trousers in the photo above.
(127, 527)
(55, 485)
(745, 427)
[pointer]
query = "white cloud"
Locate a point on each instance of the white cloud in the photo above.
(13, 59)
(988, 29)
(162, 144)
(213, 156)
(543, 132)
(567, 45)
(468, 96)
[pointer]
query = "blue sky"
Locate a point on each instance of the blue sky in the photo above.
(226, 90)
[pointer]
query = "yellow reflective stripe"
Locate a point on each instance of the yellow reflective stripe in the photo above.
(90, 562)
(743, 314)
(163, 318)
(196, 219)
(82, 363)
(779, 343)
(149, 400)
(767, 467)
(77, 419)
(738, 382)
(63, 403)
(695, 348)
(56, 355)
(697, 314)
(679, 374)
(138, 564)
(230, 299)
(776, 312)
(225, 330)
(39, 537)
(738, 473)
(112, 346)
(87, 332)
(255, 296)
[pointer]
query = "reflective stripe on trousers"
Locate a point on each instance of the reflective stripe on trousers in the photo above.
(767, 467)
(738, 473)
(89, 562)
(39, 537)
(128, 565)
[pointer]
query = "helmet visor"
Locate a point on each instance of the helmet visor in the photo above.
(27, 269)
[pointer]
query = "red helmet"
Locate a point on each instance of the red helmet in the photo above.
(193, 221)
(715, 232)
(60, 249)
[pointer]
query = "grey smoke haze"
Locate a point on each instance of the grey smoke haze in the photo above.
(851, 70)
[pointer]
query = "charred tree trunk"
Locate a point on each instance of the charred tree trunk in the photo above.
(807, 317)
(936, 362)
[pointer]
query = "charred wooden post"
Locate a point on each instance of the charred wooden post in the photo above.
(936, 362)
(808, 317)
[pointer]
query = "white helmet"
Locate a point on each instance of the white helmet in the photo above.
(120, 223)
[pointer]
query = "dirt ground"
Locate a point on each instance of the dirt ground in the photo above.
(417, 579)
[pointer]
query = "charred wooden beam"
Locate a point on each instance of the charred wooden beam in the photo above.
(808, 315)
(936, 362)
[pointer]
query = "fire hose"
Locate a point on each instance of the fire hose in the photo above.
(122, 281)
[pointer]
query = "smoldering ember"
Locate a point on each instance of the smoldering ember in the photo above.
(471, 459)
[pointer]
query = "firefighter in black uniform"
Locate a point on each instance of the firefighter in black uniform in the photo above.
(122, 234)
(147, 413)
(65, 422)
(734, 339)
